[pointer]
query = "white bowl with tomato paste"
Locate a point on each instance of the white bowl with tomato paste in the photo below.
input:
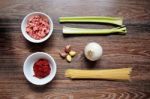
(29, 70)
(37, 27)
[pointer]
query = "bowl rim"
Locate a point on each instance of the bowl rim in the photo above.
(54, 70)
(26, 36)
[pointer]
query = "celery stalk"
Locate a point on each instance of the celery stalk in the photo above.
(69, 30)
(94, 19)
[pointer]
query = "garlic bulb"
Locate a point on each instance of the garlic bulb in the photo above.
(93, 51)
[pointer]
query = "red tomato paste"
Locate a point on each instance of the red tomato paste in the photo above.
(37, 27)
(41, 68)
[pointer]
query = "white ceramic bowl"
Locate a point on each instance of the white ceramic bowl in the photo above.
(28, 68)
(24, 24)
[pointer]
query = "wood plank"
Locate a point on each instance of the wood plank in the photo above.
(130, 50)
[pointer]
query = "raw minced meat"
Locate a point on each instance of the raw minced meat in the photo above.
(37, 27)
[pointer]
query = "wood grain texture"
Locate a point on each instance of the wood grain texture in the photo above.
(120, 51)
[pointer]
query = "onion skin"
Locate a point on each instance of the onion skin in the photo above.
(93, 51)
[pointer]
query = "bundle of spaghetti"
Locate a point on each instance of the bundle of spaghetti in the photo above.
(109, 74)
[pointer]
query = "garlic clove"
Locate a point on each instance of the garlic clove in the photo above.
(67, 48)
(68, 58)
(72, 53)
(63, 54)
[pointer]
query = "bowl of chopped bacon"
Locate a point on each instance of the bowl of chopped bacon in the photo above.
(37, 27)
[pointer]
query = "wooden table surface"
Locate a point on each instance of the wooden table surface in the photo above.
(130, 50)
